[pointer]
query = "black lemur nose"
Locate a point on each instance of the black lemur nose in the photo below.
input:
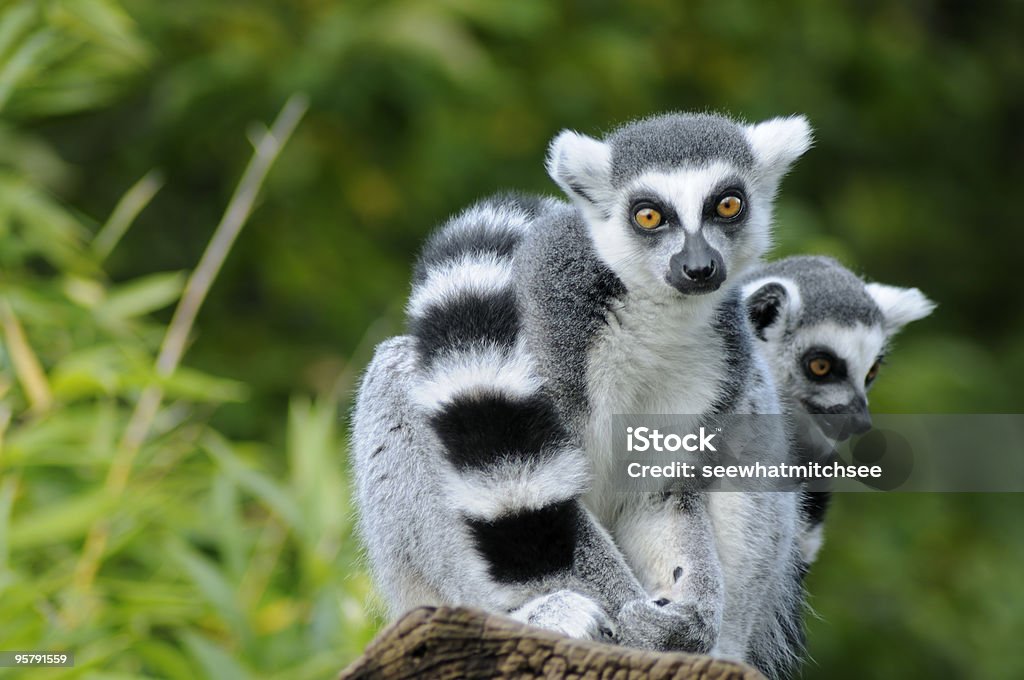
(700, 272)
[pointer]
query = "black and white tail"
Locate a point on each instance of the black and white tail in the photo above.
(512, 472)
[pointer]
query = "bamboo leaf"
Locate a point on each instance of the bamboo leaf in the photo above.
(195, 386)
(210, 582)
(16, 19)
(63, 520)
(127, 209)
(166, 660)
(216, 663)
(102, 23)
(142, 296)
(228, 521)
(259, 485)
(8, 486)
(26, 364)
(23, 62)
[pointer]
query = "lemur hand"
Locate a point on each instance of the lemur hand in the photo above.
(569, 613)
(667, 626)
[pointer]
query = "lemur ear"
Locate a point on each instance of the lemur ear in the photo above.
(581, 165)
(899, 306)
(768, 302)
(778, 142)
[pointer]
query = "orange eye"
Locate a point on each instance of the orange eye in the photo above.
(729, 206)
(820, 366)
(648, 218)
(873, 371)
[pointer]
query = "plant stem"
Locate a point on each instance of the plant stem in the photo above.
(125, 212)
(267, 148)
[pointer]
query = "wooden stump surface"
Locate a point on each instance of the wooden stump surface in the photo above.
(449, 643)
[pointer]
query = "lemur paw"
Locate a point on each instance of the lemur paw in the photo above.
(663, 625)
(568, 613)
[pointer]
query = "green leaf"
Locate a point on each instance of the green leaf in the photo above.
(258, 484)
(7, 487)
(104, 23)
(69, 436)
(143, 295)
(92, 371)
(16, 19)
(166, 660)
(216, 663)
(64, 520)
(193, 385)
(23, 62)
(228, 521)
(218, 592)
(315, 459)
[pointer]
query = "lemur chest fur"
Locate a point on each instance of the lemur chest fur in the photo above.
(652, 357)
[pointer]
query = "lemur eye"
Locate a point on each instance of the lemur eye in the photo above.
(648, 218)
(819, 366)
(729, 206)
(872, 372)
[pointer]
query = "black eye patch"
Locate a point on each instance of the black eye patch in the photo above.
(837, 372)
(733, 186)
(649, 199)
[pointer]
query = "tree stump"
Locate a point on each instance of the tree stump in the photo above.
(446, 642)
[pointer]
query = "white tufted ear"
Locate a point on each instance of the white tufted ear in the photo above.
(769, 302)
(899, 306)
(581, 165)
(778, 142)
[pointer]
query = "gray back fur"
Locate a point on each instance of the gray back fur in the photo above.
(567, 291)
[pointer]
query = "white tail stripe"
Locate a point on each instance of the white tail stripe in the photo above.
(510, 487)
(479, 273)
(486, 216)
(484, 369)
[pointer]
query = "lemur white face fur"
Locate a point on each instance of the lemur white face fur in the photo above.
(825, 333)
(676, 210)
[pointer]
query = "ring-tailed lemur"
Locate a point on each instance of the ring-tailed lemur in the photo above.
(825, 333)
(481, 440)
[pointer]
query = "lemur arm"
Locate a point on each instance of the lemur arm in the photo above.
(669, 541)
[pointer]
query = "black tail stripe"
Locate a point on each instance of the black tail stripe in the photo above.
(528, 545)
(466, 320)
(488, 236)
(478, 430)
(447, 246)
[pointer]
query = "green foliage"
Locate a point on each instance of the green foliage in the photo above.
(215, 566)
(230, 551)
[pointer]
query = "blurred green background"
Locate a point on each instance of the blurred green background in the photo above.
(229, 551)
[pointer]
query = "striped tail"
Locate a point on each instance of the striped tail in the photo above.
(512, 472)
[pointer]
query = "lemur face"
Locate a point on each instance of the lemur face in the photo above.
(686, 229)
(678, 204)
(824, 332)
(828, 368)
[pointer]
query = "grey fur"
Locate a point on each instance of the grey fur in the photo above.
(569, 291)
(828, 290)
(675, 140)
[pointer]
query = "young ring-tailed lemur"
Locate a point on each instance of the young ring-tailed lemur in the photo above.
(825, 333)
(481, 440)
